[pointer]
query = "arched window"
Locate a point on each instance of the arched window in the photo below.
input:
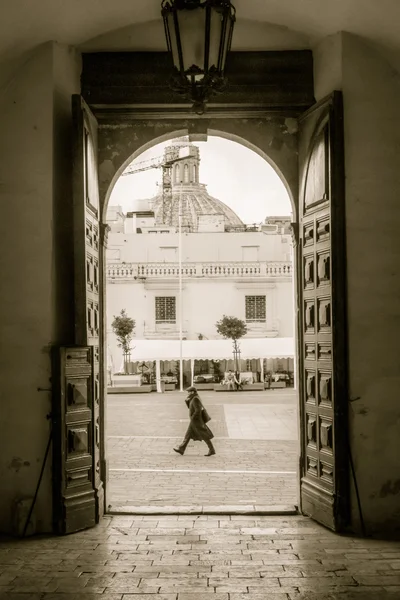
(186, 174)
(176, 173)
(194, 173)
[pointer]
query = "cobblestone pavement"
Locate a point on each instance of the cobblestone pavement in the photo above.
(191, 558)
(254, 468)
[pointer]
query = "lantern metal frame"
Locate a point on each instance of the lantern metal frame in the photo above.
(199, 82)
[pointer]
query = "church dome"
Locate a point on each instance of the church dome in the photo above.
(181, 185)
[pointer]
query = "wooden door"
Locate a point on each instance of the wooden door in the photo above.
(78, 488)
(322, 315)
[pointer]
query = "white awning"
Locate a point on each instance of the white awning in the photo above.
(143, 350)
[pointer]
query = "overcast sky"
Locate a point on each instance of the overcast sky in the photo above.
(234, 174)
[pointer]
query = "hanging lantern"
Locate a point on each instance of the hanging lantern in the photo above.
(199, 37)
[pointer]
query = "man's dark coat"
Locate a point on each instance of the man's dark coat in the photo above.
(197, 430)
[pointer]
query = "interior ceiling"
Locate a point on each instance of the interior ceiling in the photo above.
(99, 25)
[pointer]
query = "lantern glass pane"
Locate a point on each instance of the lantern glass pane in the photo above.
(192, 27)
(215, 37)
(227, 40)
(174, 45)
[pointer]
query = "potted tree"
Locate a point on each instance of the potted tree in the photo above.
(123, 327)
(232, 328)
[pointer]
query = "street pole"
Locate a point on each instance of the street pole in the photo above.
(180, 291)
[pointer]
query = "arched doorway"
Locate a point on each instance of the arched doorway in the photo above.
(258, 270)
(321, 308)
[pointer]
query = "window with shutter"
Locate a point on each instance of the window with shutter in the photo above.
(165, 309)
(256, 309)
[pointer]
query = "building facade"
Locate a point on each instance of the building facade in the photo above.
(227, 268)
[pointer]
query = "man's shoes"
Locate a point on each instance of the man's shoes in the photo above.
(210, 453)
(179, 451)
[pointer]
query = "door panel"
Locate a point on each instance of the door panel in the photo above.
(78, 427)
(74, 496)
(322, 322)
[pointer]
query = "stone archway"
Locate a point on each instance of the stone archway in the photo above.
(272, 138)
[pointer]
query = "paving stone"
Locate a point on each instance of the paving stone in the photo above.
(275, 595)
(223, 568)
(198, 596)
(140, 596)
(175, 582)
(383, 580)
(356, 594)
(168, 569)
(250, 471)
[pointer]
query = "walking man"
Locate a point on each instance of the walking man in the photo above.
(198, 429)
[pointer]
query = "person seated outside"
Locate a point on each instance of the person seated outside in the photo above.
(230, 380)
(238, 382)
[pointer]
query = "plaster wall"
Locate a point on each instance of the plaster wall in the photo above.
(66, 81)
(204, 302)
(26, 114)
(327, 61)
(371, 92)
(198, 247)
(205, 299)
(284, 308)
(29, 117)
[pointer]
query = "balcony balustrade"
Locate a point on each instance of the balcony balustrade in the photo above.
(214, 270)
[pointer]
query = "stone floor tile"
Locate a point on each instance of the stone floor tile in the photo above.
(6, 578)
(275, 595)
(198, 596)
(92, 571)
(164, 570)
(126, 588)
(28, 588)
(141, 596)
(172, 582)
(383, 580)
(318, 582)
(223, 568)
(19, 596)
(188, 590)
(79, 596)
(361, 593)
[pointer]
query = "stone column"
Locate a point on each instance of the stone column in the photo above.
(192, 370)
(158, 375)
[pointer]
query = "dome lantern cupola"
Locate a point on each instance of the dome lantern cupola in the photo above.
(186, 170)
(186, 188)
